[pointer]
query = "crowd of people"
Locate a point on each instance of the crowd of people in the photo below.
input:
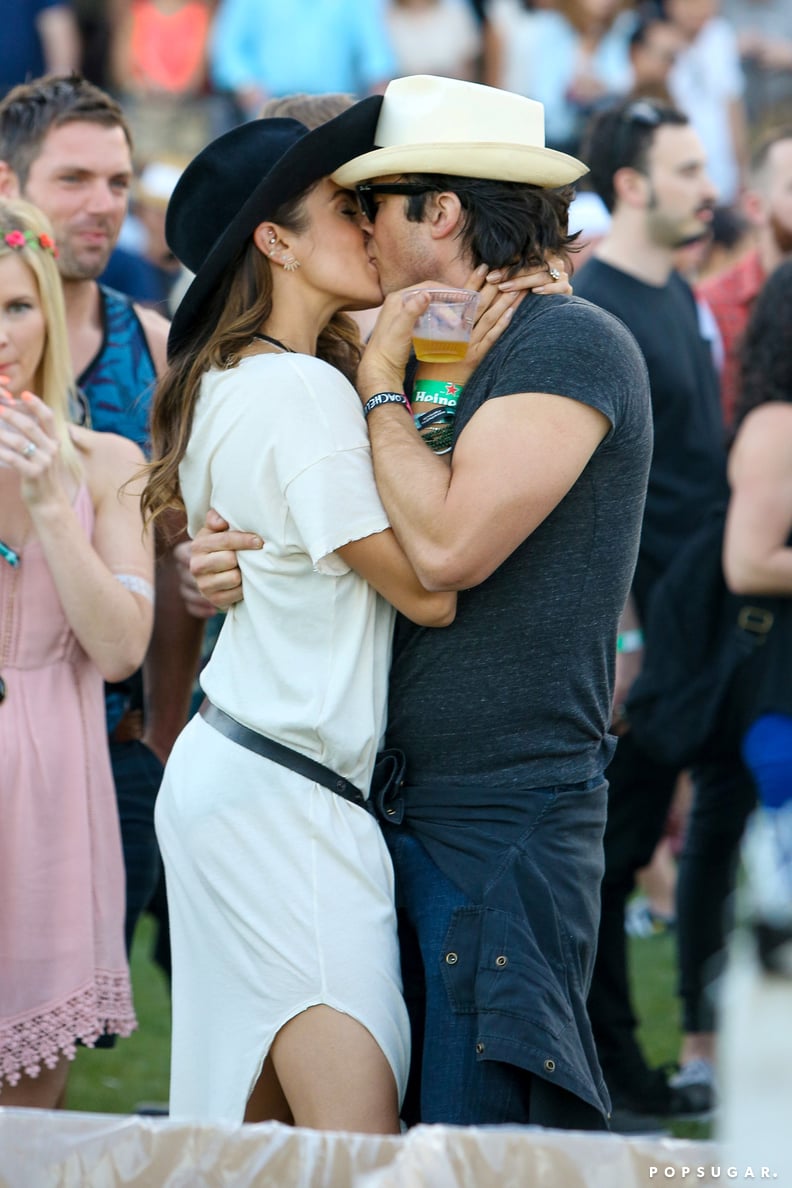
(400, 834)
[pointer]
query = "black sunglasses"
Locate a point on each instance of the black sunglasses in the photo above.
(367, 190)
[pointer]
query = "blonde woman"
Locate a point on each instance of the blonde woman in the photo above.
(75, 609)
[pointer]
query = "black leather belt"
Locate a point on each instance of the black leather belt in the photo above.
(285, 756)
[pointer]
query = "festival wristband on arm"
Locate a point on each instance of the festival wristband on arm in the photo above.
(385, 398)
(439, 438)
(436, 392)
(436, 423)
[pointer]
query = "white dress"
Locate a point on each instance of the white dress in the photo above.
(280, 892)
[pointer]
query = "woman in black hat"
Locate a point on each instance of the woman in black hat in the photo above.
(286, 985)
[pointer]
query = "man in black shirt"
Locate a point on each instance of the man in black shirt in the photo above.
(647, 164)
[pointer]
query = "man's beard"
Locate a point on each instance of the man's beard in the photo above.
(86, 266)
(674, 233)
(782, 235)
(705, 233)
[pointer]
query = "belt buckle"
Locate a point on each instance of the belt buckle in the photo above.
(756, 619)
(386, 784)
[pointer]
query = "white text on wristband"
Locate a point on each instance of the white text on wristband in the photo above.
(385, 398)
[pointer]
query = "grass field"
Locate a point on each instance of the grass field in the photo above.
(117, 1081)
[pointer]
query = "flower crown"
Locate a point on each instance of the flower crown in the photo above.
(18, 239)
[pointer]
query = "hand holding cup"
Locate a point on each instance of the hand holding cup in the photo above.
(442, 332)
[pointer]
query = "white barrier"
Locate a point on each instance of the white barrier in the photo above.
(755, 1060)
(39, 1149)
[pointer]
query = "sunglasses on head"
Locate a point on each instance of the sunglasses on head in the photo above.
(644, 114)
(367, 190)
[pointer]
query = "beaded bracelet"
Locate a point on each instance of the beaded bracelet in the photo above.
(436, 427)
(440, 438)
(385, 398)
(437, 392)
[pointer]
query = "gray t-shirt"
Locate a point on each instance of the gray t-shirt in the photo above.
(517, 692)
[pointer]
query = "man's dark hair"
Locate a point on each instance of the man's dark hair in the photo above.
(506, 224)
(620, 137)
(762, 149)
(648, 15)
(30, 110)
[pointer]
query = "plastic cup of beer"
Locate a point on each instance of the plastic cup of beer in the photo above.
(442, 332)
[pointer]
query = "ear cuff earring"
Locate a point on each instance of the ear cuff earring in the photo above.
(289, 264)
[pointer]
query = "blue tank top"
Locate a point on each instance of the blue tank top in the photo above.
(119, 381)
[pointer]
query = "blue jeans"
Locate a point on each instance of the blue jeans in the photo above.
(448, 1084)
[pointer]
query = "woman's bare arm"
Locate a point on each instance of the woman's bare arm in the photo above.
(756, 556)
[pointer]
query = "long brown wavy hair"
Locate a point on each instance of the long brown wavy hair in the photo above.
(765, 357)
(225, 326)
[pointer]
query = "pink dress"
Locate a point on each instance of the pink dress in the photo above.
(63, 969)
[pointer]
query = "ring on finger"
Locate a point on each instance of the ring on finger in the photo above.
(554, 273)
(29, 449)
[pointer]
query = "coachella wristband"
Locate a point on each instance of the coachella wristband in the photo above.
(386, 398)
(437, 392)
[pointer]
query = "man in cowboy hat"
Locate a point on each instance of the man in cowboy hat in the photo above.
(496, 835)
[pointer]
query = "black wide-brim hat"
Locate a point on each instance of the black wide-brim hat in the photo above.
(241, 179)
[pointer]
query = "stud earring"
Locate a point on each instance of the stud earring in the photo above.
(291, 265)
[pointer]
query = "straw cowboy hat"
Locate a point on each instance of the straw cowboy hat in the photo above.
(443, 125)
(241, 179)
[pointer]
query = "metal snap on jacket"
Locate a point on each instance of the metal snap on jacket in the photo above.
(501, 961)
(452, 958)
(479, 1048)
(549, 1065)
